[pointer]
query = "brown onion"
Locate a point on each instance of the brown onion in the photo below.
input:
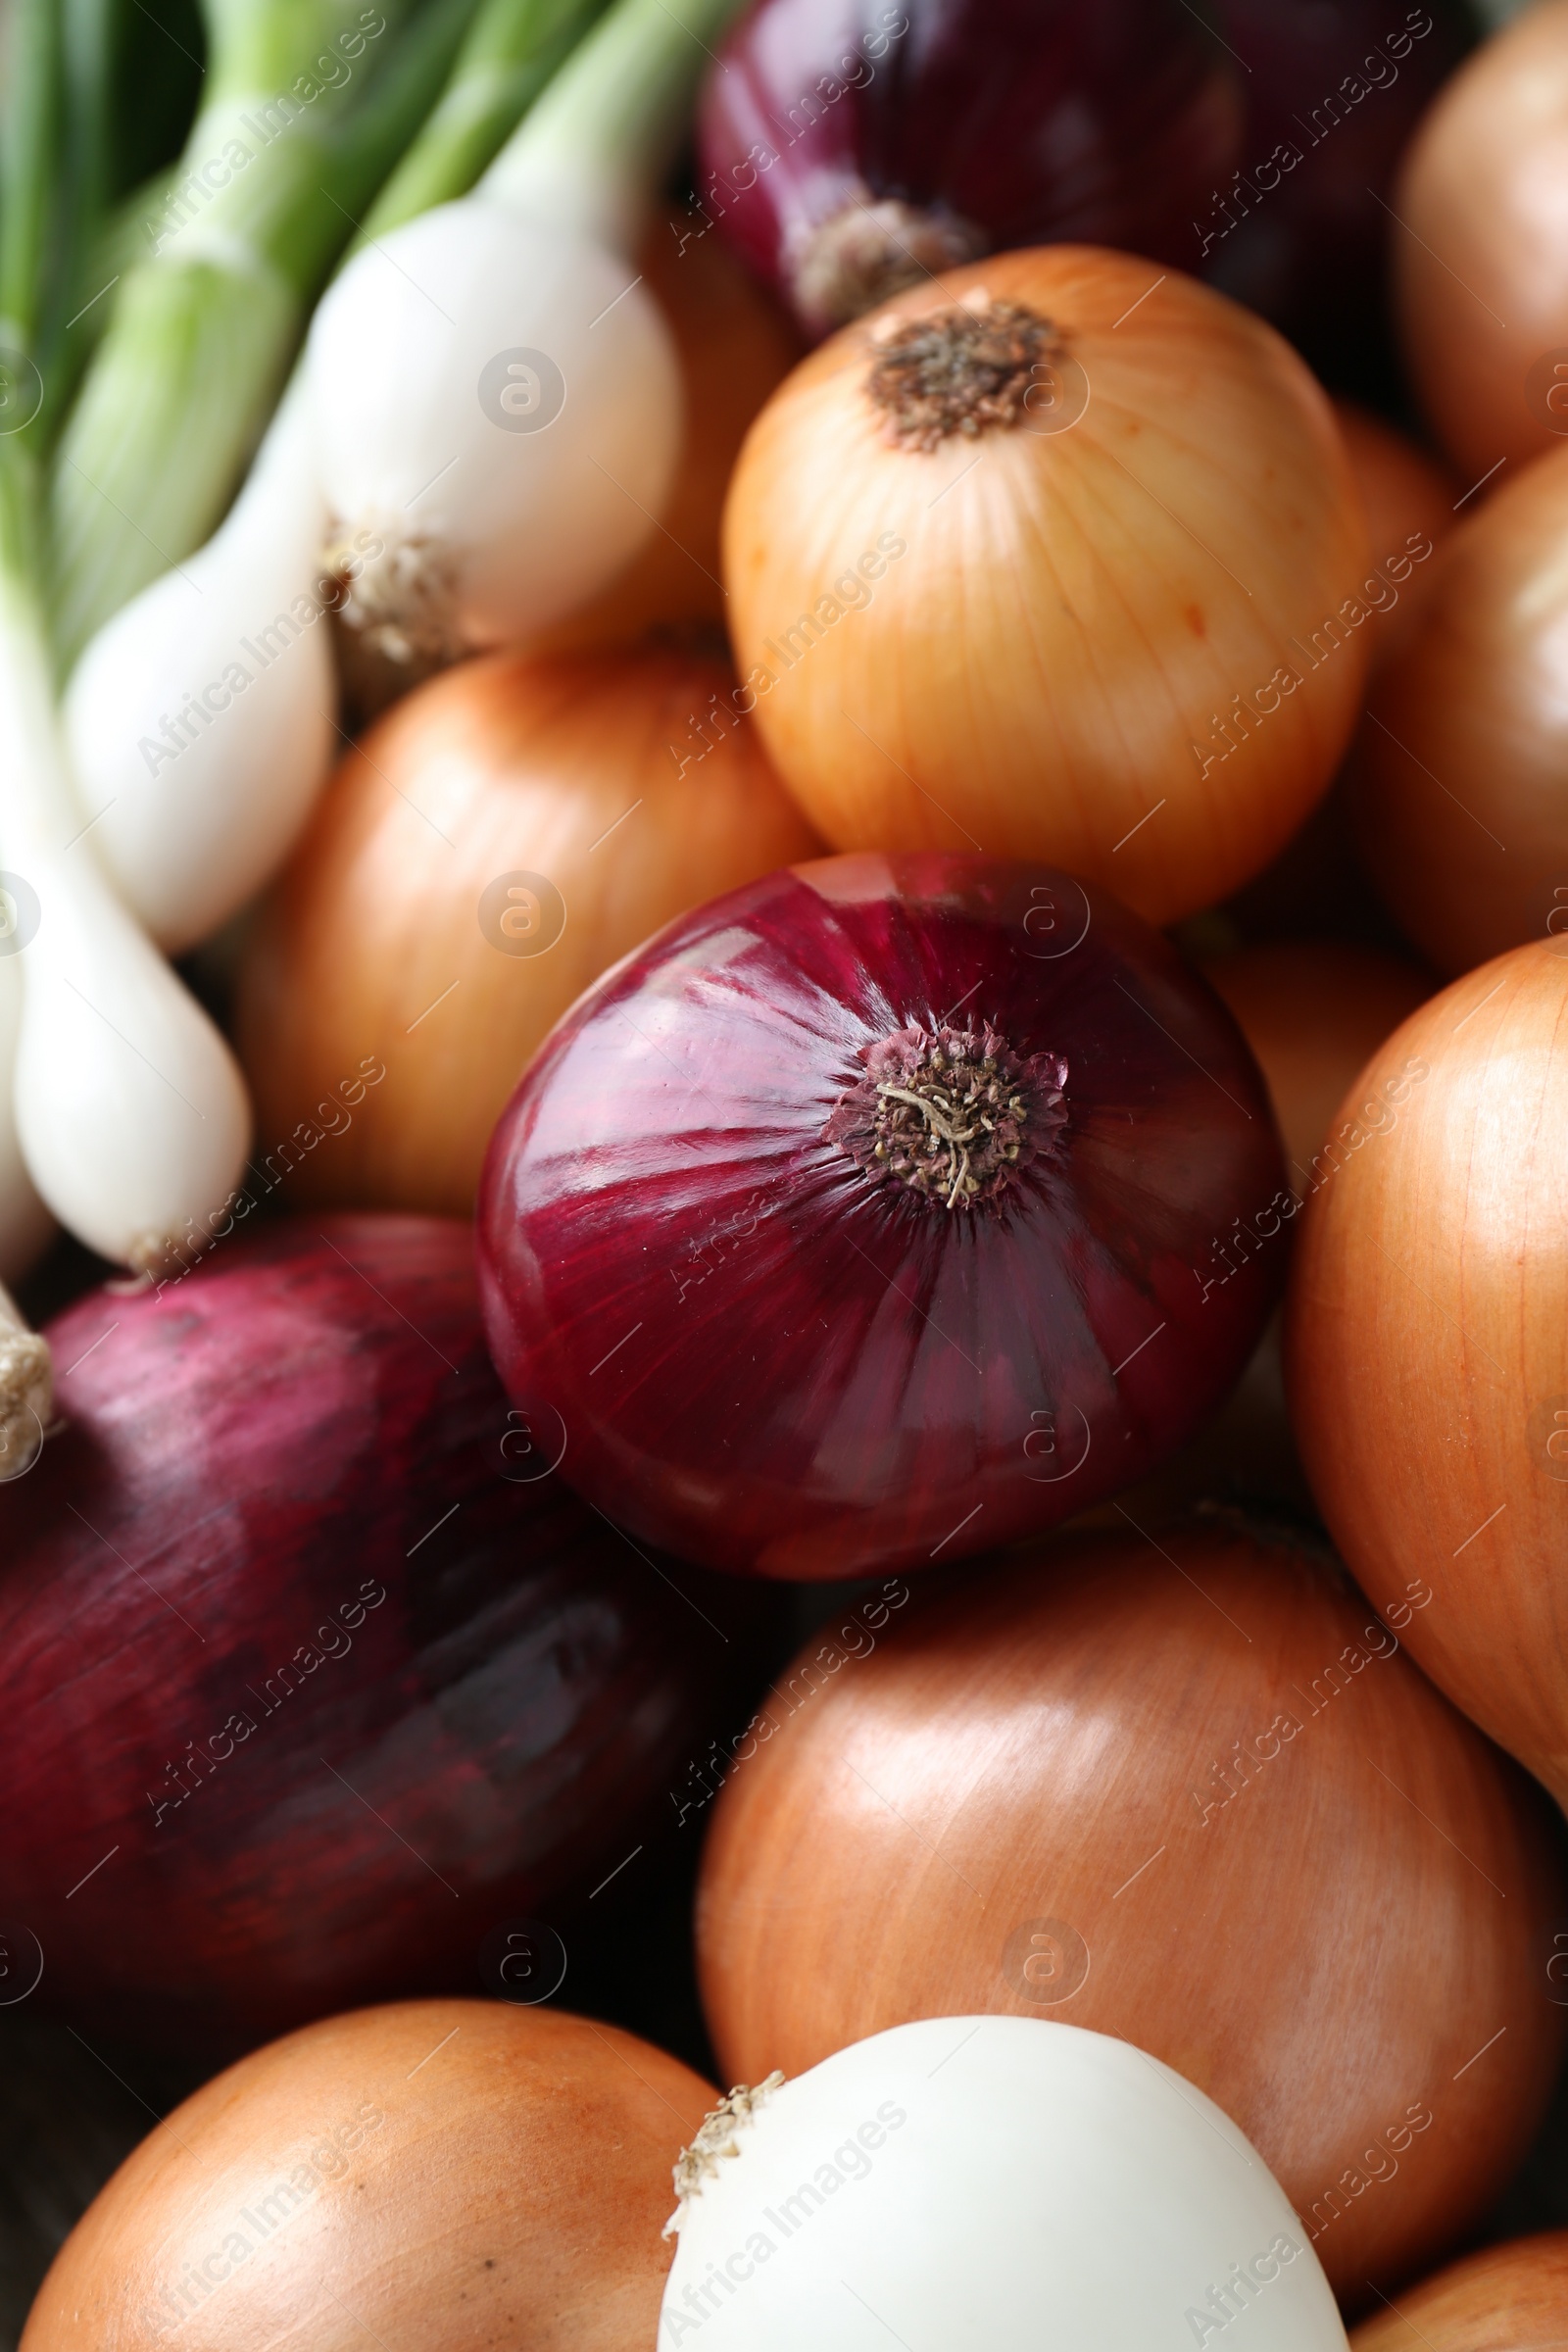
(1408, 498)
(1315, 1012)
(1186, 1793)
(439, 2174)
(504, 835)
(1458, 783)
(1427, 1344)
(1511, 2298)
(1056, 557)
(1480, 254)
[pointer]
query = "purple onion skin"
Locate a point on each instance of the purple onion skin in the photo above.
(1028, 121)
(1311, 252)
(307, 1420)
(764, 1359)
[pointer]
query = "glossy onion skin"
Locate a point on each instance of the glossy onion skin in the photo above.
(377, 937)
(1482, 278)
(1427, 1345)
(1043, 670)
(771, 1364)
(1457, 780)
(1027, 119)
(472, 2172)
(1508, 2298)
(1001, 1808)
(249, 1457)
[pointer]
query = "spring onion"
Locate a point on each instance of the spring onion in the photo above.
(305, 104)
(495, 397)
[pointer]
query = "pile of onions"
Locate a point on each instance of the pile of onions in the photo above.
(310, 1673)
(1058, 559)
(1188, 1792)
(439, 2172)
(975, 2182)
(1425, 1352)
(1458, 777)
(1409, 499)
(1482, 267)
(1508, 2298)
(850, 151)
(503, 836)
(880, 1212)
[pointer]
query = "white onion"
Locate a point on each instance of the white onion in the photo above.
(503, 498)
(200, 721)
(25, 1223)
(129, 1108)
(989, 2184)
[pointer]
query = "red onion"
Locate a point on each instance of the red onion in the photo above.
(850, 148)
(1301, 229)
(309, 1680)
(880, 1211)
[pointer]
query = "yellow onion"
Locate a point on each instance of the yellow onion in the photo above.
(1409, 499)
(1457, 781)
(497, 841)
(443, 2174)
(1058, 555)
(1480, 254)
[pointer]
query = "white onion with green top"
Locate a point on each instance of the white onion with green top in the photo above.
(494, 394)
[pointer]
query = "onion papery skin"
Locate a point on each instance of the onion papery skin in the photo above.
(991, 126)
(583, 775)
(1409, 499)
(306, 1421)
(1508, 2298)
(1427, 1345)
(1000, 1807)
(1482, 277)
(1314, 1013)
(1457, 781)
(446, 2173)
(964, 2223)
(1332, 92)
(775, 1363)
(1081, 649)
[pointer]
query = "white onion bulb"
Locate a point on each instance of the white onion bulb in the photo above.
(25, 1223)
(498, 401)
(989, 2184)
(200, 721)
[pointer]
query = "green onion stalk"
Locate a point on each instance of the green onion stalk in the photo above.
(126, 1104)
(306, 106)
(513, 48)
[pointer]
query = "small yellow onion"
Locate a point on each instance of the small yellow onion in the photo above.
(1409, 499)
(1508, 2298)
(1480, 254)
(1456, 786)
(498, 840)
(1064, 559)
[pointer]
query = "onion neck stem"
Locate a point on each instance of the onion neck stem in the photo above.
(512, 49)
(591, 150)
